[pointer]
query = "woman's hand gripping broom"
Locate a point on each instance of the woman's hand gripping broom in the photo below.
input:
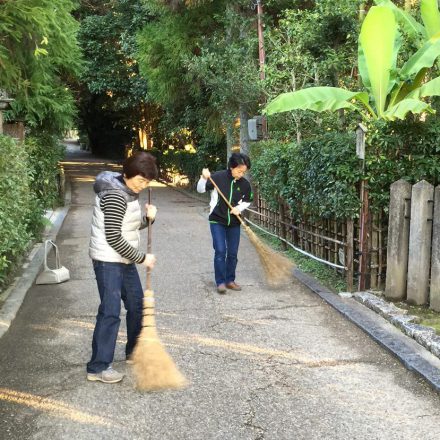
(277, 268)
(153, 367)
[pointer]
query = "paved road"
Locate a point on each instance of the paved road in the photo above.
(263, 364)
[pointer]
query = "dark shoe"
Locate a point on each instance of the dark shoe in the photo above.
(221, 288)
(233, 286)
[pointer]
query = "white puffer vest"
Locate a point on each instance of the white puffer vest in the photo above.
(99, 249)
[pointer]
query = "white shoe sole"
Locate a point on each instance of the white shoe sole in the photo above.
(95, 378)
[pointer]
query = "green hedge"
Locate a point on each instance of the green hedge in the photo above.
(320, 177)
(317, 178)
(28, 186)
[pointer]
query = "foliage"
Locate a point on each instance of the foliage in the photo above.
(113, 99)
(188, 162)
(392, 92)
(39, 57)
(16, 203)
(28, 186)
(316, 178)
(309, 46)
(44, 153)
(401, 150)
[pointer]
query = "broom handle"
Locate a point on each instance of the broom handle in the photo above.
(149, 235)
(226, 200)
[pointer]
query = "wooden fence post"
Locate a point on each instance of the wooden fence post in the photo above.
(283, 229)
(363, 237)
(349, 255)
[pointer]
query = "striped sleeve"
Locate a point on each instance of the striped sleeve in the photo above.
(114, 207)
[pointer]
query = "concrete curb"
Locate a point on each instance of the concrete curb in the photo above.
(414, 356)
(14, 296)
(408, 324)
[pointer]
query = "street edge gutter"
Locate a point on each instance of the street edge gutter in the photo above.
(16, 293)
(412, 355)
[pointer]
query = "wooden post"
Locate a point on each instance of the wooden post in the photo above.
(283, 230)
(349, 255)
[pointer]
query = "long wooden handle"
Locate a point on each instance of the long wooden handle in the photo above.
(226, 200)
(149, 238)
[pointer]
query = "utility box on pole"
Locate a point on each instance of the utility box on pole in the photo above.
(255, 128)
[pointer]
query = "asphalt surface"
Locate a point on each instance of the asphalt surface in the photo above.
(262, 364)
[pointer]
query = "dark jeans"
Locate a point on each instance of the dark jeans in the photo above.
(116, 281)
(225, 240)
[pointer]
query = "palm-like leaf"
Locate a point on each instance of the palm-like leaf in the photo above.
(402, 108)
(412, 27)
(424, 57)
(430, 16)
(431, 88)
(378, 39)
(317, 99)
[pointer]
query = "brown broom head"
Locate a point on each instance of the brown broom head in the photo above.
(153, 367)
(277, 268)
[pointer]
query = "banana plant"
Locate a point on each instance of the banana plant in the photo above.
(391, 92)
(429, 13)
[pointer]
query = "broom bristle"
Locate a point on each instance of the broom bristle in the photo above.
(277, 268)
(153, 367)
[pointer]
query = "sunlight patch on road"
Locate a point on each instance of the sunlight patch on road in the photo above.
(253, 350)
(172, 339)
(54, 407)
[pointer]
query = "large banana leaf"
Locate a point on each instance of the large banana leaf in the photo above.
(430, 16)
(317, 99)
(412, 27)
(424, 57)
(378, 39)
(431, 88)
(401, 109)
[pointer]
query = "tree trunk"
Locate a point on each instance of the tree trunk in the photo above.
(229, 138)
(244, 135)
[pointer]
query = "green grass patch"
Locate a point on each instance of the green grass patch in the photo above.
(326, 275)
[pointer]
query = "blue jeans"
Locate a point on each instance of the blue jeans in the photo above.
(225, 240)
(116, 281)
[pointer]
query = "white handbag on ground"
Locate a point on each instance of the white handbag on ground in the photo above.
(52, 276)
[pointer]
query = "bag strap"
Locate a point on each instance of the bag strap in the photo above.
(57, 255)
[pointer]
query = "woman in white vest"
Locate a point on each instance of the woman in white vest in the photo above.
(114, 249)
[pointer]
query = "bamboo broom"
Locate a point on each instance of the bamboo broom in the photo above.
(153, 367)
(277, 268)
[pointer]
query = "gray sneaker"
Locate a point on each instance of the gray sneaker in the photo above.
(106, 376)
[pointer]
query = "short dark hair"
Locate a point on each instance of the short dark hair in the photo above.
(237, 159)
(140, 164)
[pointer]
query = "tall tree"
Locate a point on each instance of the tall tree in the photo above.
(115, 111)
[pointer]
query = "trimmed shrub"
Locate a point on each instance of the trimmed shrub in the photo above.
(29, 176)
(317, 178)
(16, 203)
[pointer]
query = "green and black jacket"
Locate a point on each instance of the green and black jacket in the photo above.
(236, 191)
